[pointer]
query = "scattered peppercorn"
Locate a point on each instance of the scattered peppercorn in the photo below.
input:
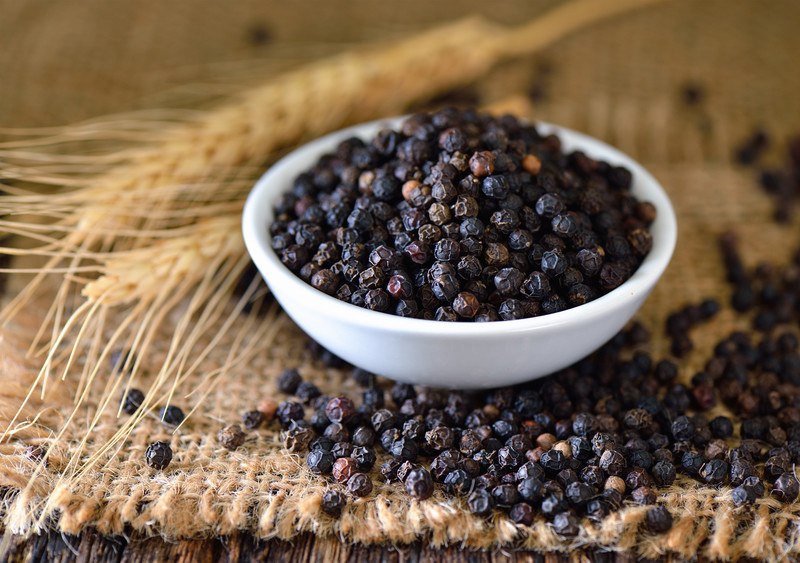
(748, 492)
(752, 148)
(298, 439)
(419, 484)
(122, 360)
(344, 468)
(268, 408)
(231, 437)
(158, 455)
(565, 524)
(333, 502)
(171, 415)
(289, 380)
(721, 427)
(252, 419)
(786, 488)
(658, 519)
(714, 471)
(359, 485)
(320, 461)
(521, 513)
(781, 184)
(681, 321)
(340, 409)
(480, 502)
(259, 34)
(288, 411)
(693, 93)
(307, 392)
(132, 401)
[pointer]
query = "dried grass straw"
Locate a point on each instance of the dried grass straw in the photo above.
(147, 222)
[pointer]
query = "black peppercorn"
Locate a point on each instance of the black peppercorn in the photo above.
(683, 428)
(664, 473)
(307, 392)
(288, 380)
(252, 419)
(578, 493)
(359, 485)
(509, 458)
(231, 437)
(132, 401)
(340, 409)
(530, 489)
(337, 432)
(776, 465)
(740, 470)
(529, 470)
(440, 438)
(786, 488)
(748, 492)
(553, 461)
(612, 462)
(458, 481)
(521, 513)
(297, 439)
(320, 461)
(340, 449)
(638, 477)
(363, 436)
(658, 520)
(158, 455)
(171, 415)
(382, 420)
(333, 502)
(404, 449)
(721, 427)
(419, 483)
(321, 443)
(364, 457)
(480, 502)
(505, 495)
(565, 524)
(643, 495)
(389, 469)
(692, 462)
(714, 471)
(288, 411)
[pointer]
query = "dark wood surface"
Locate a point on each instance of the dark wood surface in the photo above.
(94, 547)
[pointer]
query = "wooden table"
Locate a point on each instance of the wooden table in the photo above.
(93, 547)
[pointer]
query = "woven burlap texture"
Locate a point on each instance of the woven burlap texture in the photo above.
(620, 82)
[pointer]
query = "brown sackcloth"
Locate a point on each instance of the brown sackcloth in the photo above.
(619, 81)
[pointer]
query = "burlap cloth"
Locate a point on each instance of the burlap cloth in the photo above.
(619, 81)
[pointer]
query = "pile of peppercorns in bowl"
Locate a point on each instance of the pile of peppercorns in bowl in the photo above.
(459, 216)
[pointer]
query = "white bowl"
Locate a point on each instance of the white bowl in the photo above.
(447, 354)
